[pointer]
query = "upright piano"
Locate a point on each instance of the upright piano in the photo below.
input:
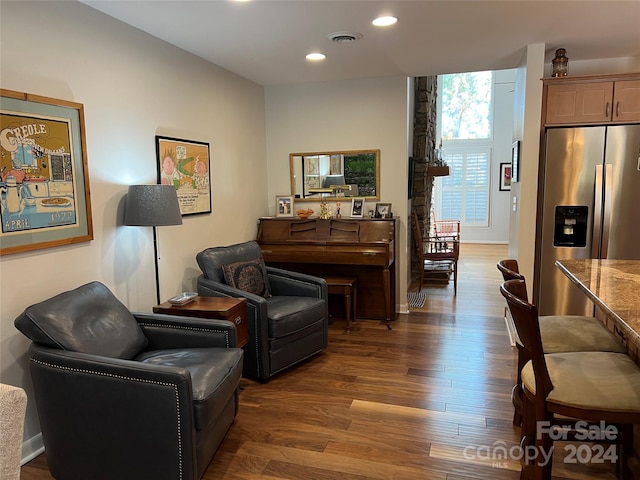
(351, 247)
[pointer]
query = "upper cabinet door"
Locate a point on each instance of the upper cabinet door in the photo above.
(626, 101)
(582, 103)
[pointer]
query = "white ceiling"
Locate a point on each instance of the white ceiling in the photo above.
(266, 40)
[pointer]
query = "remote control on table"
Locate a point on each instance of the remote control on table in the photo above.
(183, 298)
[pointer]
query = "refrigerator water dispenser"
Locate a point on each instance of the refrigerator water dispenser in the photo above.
(570, 226)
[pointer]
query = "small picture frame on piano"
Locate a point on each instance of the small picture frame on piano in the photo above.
(383, 210)
(284, 206)
(357, 207)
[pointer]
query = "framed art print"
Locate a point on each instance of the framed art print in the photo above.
(505, 177)
(44, 173)
(515, 162)
(185, 164)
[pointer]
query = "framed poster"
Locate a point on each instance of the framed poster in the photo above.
(505, 177)
(44, 179)
(185, 164)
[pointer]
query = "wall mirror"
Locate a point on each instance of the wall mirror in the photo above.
(351, 173)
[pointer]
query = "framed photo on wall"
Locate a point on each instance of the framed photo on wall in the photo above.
(357, 207)
(44, 172)
(284, 206)
(185, 164)
(505, 177)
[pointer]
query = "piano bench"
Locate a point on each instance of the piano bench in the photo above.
(348, 287)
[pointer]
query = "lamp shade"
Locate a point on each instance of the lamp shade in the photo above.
(152, 206)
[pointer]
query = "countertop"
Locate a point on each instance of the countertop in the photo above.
(614, 287)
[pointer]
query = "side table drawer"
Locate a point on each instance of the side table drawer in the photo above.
(240, 321)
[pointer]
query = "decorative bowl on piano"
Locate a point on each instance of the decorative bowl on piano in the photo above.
(304, 213)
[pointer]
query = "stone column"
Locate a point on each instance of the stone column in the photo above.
(424, 144)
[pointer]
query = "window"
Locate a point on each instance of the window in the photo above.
(464, 194)
(466, 106)
(465, 124)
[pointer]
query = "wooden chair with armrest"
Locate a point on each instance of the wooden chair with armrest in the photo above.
(444, 228)
(560, 333)
(437, 253)
(590, 387)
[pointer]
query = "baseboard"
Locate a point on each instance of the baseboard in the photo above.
(32, 448)
(487, 242)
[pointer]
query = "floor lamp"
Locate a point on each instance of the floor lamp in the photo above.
(152, 206)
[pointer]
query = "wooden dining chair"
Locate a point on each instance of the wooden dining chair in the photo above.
(570, 386)
(437, 253)
(560, 333)
(444, 228)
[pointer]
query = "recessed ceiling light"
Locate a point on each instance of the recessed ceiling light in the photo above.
(316, 56)
(384, 21)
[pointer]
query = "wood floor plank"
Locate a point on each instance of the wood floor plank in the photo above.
(404, 404)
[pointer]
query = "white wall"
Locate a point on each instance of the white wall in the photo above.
(133, 87)
(347, 115)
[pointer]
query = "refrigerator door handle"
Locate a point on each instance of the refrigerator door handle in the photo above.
(606, 221)
(597, 214)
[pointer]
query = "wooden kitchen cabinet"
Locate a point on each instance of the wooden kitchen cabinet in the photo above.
(591, 100)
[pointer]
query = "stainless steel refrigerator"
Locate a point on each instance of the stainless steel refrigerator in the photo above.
(590, 207)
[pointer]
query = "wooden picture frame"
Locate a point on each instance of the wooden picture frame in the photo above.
(383, 210)
(44, 176)
(357, 207)
(284, 206)
(186, 165)
(505, 177)
(515, 162)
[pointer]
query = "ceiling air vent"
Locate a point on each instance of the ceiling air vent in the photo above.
(345, 37)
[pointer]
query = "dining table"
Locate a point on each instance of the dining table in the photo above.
(614, 288)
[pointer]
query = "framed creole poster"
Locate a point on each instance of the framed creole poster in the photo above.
(185, 165)
(44, 179)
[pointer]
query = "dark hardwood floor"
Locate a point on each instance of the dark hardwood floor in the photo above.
(429, 399)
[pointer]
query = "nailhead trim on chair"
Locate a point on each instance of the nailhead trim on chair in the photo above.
(195, 329)
(121, 377)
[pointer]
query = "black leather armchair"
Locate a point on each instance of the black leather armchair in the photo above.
(124, 395)
(287, 313)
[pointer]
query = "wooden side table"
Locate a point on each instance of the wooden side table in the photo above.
(224, 308)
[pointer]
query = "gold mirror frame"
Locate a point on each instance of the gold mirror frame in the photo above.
(333, 175)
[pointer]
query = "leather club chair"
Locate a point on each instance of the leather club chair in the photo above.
(129, 396)
(287, 312)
